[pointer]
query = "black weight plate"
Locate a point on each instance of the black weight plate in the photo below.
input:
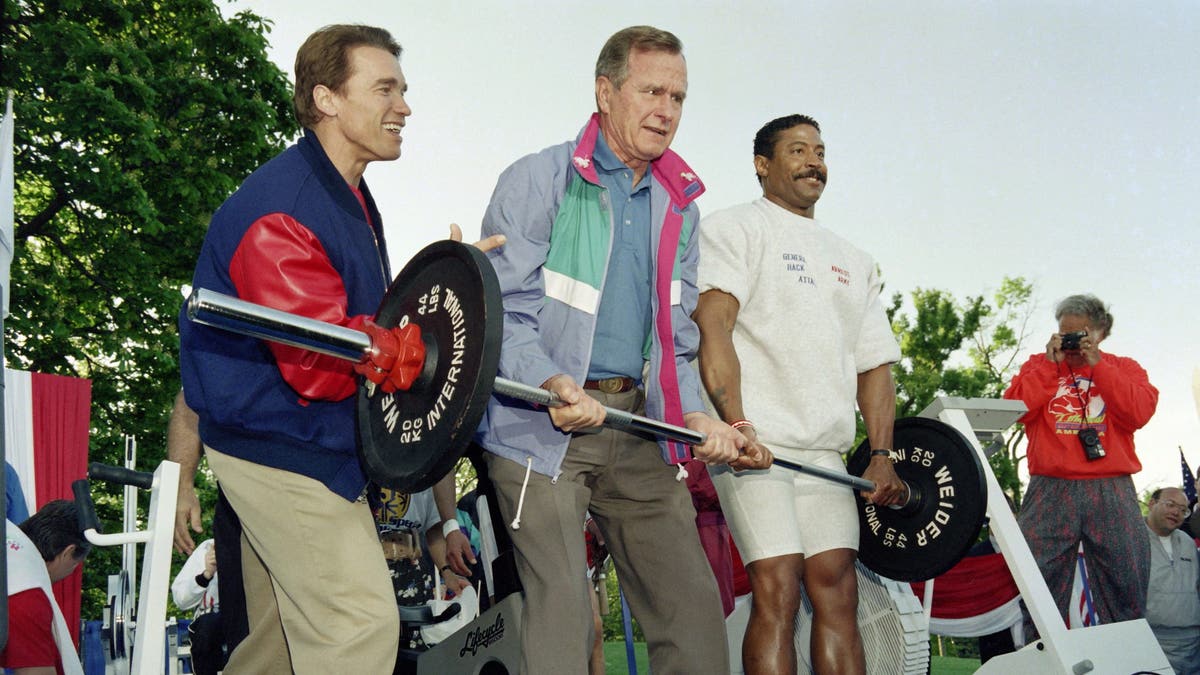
(931, 534)
(408, 440)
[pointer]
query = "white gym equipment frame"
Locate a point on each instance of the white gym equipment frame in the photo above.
(1109, 649)
(149, 633)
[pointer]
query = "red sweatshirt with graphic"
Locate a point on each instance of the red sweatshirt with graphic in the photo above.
(1114, 397)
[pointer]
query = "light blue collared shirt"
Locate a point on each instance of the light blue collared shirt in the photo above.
(623, 318)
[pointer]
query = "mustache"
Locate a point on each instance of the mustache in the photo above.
(814, 173)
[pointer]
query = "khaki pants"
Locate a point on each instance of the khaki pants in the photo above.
(649, 524)
(318, 594)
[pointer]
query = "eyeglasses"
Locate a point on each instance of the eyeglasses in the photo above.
(1174, 506)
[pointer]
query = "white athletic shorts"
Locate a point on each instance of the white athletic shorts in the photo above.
(780, 512)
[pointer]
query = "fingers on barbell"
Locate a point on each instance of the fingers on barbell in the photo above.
(924, 533)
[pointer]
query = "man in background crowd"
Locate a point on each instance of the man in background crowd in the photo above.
(43, 550)
(1173, 598)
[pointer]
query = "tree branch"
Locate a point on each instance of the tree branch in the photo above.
(38, 225)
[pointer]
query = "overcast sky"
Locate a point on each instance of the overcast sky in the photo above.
(966, 141)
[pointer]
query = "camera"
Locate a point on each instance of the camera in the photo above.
(1070, 341)
(1089, 438)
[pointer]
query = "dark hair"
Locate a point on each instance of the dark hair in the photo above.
(613, 62)
(55, 527)
(1154, 496)
(324, 58)
(764, 140)
(1086, 305)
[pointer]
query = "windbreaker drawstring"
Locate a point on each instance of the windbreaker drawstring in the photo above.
(516, 523)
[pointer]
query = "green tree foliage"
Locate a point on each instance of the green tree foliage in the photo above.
(968, 348)
(134, 121)
(939, 328)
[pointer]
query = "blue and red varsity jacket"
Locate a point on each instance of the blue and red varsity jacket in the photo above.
(295, 236)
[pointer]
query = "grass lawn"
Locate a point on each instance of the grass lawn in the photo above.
(948, 665)
(615, 662)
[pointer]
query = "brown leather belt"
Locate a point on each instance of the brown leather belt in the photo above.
(611, 385)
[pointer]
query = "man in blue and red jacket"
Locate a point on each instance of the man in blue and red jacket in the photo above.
(302, 234)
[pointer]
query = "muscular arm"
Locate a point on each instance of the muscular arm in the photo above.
(877, 403)
(720, 369)
(437, 552)
(183, 447)
(721, 372)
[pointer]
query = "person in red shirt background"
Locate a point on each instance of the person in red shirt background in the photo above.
(1084, 406)
(45, 549)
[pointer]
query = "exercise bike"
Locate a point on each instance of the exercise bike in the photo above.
(135, 620)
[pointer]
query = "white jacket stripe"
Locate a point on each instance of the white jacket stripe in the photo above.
(573, 292)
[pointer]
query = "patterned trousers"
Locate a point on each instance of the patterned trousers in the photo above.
(1103, 513)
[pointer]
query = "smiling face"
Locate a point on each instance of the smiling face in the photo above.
(363, 120)
(794, 176)
(1167, 512)
(639, 119)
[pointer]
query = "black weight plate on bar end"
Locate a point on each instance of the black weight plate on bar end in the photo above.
(926, 538)
(409, 439)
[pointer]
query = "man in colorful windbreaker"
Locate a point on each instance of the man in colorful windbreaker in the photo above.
(599, 280)
(303, 235)
(1083, 407)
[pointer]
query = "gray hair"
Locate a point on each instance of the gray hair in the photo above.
(614, 56)
(1086, 305)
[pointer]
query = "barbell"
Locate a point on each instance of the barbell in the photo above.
(409, 439)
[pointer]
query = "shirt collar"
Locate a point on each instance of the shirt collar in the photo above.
(669, 171)
(605, 158)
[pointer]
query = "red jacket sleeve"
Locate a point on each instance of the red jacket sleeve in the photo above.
(280, 263)
(1034, 385)
(1128, 395)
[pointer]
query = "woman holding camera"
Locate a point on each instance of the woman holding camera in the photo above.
(1083, 407)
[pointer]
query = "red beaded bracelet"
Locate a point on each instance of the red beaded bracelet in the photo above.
(738, 424)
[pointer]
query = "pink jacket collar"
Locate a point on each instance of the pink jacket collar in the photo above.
(670, 170)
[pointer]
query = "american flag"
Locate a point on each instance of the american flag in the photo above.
(1083, 612)
(1189, 480)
